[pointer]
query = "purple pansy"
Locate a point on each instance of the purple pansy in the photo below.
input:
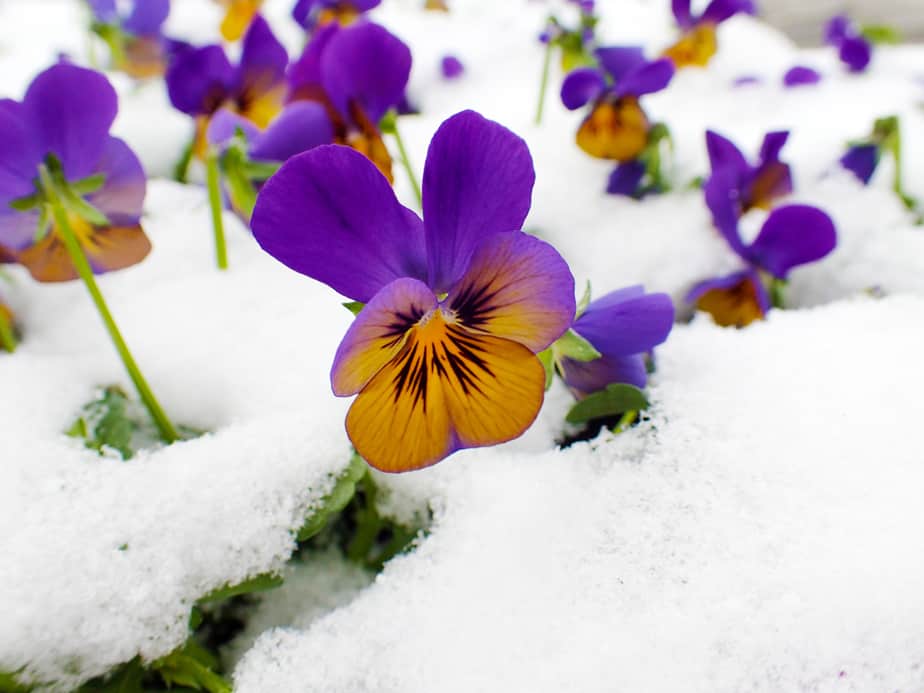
(358, 73)
(698, 44)
(854, 50)
(801, 75)
(624, 326)
(451, 67)
(145, 18)
(312, 13)
(734, 178)
(67, 112)
(457, 305)
(138, 46)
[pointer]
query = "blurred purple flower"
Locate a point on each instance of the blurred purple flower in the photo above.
(854, 50)
(451, 67)
(801, 75)
(748, 186)
(698, 44)
(313, 13)
(861, 160)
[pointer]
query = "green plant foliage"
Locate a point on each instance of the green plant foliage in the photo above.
(336, 500)
(615, 399)
(105, 423)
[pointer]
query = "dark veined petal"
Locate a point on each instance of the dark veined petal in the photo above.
(478, 180)
(626, 179)
(301, 126)
(733, 301)
(70, 110)
(647, 79)
(263, 61)
(447, 388)
(19, 154)
(147, 17)
(627, 321)
(122, 196)
(585, 377)
(378, 333)
(516, 287)
(862, 161)
(720, 10)
(723, 153)
(330, 214)
(368, 65)
(582, 86)
(199, 80)
(792, 235)
(618, 61)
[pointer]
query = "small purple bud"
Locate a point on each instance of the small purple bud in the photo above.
(451, 67)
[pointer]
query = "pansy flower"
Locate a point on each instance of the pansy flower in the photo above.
(135, 40)
(358, 74)
(202, 80)
(623, 326)
(854, 50)
(443, 355)
(239, 15)
(791, 236)
(751, 186)
(313, 13)
(66, 113)
(616, 128)
(698, 43)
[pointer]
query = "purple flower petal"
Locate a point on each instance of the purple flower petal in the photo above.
(647, 79)
(722, 197)
(301, 126)
(451, 67)
(837, 29)
(17, 229)
(681, 10)
(70, 109)
(736, 300)
(626, 178)
(792, 236)
(19, 154)
(224, 125)
(330, 214)
(617, 61)
(861, 160)
(856, 53)
(582, 86)
(626, 322)
(263, 59)
(477, 181)
(304, 75)
(367, 65)
(800, 76)
(122, 196)
(199, 80)
(720, 10)
(772, 146)
(302, 11)
(724, 154)
(147, 17)
(586, 377)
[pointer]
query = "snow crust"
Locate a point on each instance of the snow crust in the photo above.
(760, 531)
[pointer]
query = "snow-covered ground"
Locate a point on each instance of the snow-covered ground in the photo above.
(761, 530)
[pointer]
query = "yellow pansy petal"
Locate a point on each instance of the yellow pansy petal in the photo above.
(616, 130)
(695, 48)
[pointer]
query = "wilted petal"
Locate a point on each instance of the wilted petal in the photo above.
(301, 126)
(792, 236)
(199, 80)
(582, 86)
(516, 287)
(330, 214)
(477, 181)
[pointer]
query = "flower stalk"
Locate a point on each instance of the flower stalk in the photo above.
(389, 124)
(8, 339)
(544, 82)
(212, 181)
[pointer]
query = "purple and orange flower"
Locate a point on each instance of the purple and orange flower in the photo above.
(358, 74)
(457, 305)
(750, 186)
(64, 119)
(616, 128)
(202, 80)
(316, 13)
(239, 15)
(136, 43)
(698, 42)
(854, 50)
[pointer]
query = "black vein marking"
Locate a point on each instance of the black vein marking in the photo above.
(473, 305)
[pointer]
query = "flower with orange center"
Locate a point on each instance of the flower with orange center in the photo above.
(698, 43)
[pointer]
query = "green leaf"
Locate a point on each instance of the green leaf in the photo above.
(185, 668)
(547, 359)
(9, 684)
(90, 184)
(260, 583)
(575, 347)
(336, 500)
(584, 302)
(616, 398)
(24, 204)
(881, 34)
(125, 679)
(260, 170)
(388, 125)
(354, 306)
(105, 423)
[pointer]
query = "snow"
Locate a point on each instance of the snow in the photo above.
(759, 531)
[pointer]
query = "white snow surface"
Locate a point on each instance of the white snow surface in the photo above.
(759, 531)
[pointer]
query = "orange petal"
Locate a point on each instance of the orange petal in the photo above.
(695, 48)
(262, 108)
(737, 306)
(616, 130)
(448, 388)
(240, 14)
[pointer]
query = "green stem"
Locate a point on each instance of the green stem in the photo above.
(628, 418)
(7, 336)
(777, 293)
(181, 169)
(406, 162)
(211, 177)
(81, 264)
(544, 82)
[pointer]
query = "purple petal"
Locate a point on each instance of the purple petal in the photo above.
(723, 199)
(451, 67)
(582, 86)
(837, 29)
(648, 79)
(263, 59)
(747, 81)
(477, 181)
(792, 236)
(772, 146)
(70, 109)
(330, 214)
(587, 377)
(724, 154)
(366, 64)
(302, 11)
(305, 73)
(617, 61)
(856, 53)
(301, 126)
(104, 11)
(626, 178)
(224, 125)
(17, 229)
(861, 160)
(800, 75)
(147, 17)
(627, 322)
(122, 196)
(365, 5)
(199, 80)
(681, 10)
(19, 153)
(720, 10)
